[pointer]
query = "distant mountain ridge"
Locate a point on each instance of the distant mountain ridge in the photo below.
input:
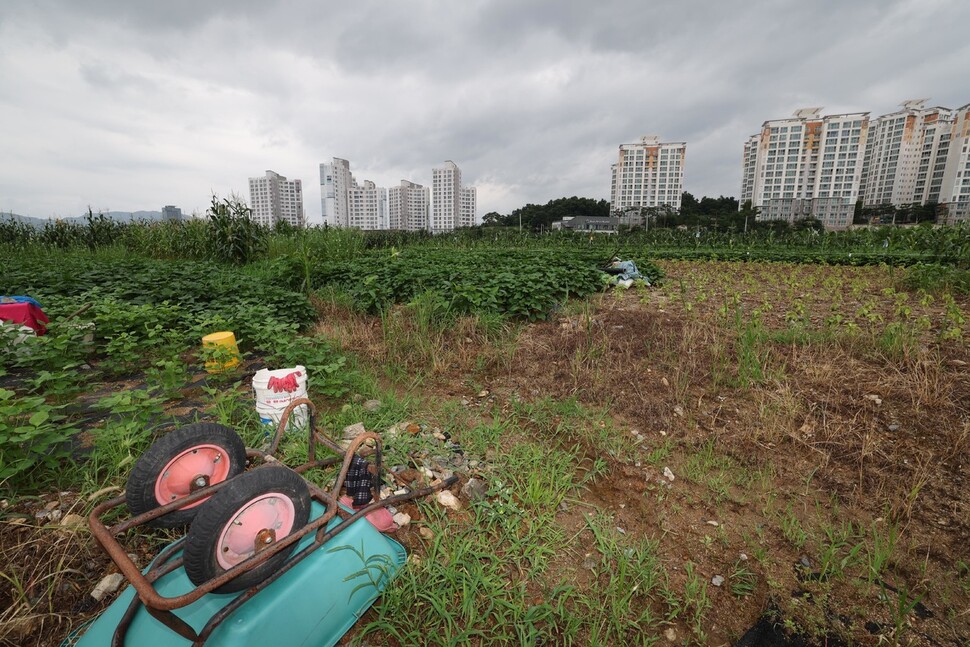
(120, 216)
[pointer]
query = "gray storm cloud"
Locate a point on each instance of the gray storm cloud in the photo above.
(127, 106)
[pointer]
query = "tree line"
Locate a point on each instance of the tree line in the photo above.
(719, 214)
(722, 213)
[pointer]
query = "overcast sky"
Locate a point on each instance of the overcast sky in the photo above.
(126, 105)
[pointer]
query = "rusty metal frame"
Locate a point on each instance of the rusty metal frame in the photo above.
(161, 607)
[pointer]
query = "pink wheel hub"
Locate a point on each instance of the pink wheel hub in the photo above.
(194, 468)
(271, 511)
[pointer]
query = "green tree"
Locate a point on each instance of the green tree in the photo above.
(493, 218)
(535, 217)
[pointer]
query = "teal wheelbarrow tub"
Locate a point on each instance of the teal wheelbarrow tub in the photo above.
(314, 603)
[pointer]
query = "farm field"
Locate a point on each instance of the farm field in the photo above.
(740, 442)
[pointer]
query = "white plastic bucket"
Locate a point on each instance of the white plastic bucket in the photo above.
(275, 390)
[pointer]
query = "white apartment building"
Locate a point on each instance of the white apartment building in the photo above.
(468, 207)
(367, 207)
(649, 173)
(345, 203)
(934, 150)
(335, 182)
(407, 206)
(749, 165)
(955, 183)
(807, 165)
(274, 199)
(811, 165)
(902, 153)
(452, 205)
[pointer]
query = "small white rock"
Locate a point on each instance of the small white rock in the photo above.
(56, 515)
(743, 557)
(670, 635)
(679, 411)
(108, 585)
(717, 580)
(668, 474)
(402, 519)
(711, 522)
(448, 500)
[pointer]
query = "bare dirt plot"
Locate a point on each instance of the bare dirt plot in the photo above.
(830, 425)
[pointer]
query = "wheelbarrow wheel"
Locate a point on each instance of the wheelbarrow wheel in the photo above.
(255, 510)
(180, 462)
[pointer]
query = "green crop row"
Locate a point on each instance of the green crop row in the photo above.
(137, 296)
(521, 283)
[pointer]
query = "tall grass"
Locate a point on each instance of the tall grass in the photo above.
(193, 239)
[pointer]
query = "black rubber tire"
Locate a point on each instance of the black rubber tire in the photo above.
(201, 543)
(140, 488)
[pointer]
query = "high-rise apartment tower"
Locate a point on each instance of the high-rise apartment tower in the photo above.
(806, 165)
(818, 166)
(452, 205)
(275, 199)
(649, 173)
(345, 203)
(407, 206)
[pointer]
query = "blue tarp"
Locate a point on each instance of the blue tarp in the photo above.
(626, 271)
(21, 300)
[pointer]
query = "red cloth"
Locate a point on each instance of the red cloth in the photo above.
(24, 314)
(287, 383)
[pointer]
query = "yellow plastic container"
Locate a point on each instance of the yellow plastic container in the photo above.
(225, 352)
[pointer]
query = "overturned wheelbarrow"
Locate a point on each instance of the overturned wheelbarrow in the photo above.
(269, 557)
